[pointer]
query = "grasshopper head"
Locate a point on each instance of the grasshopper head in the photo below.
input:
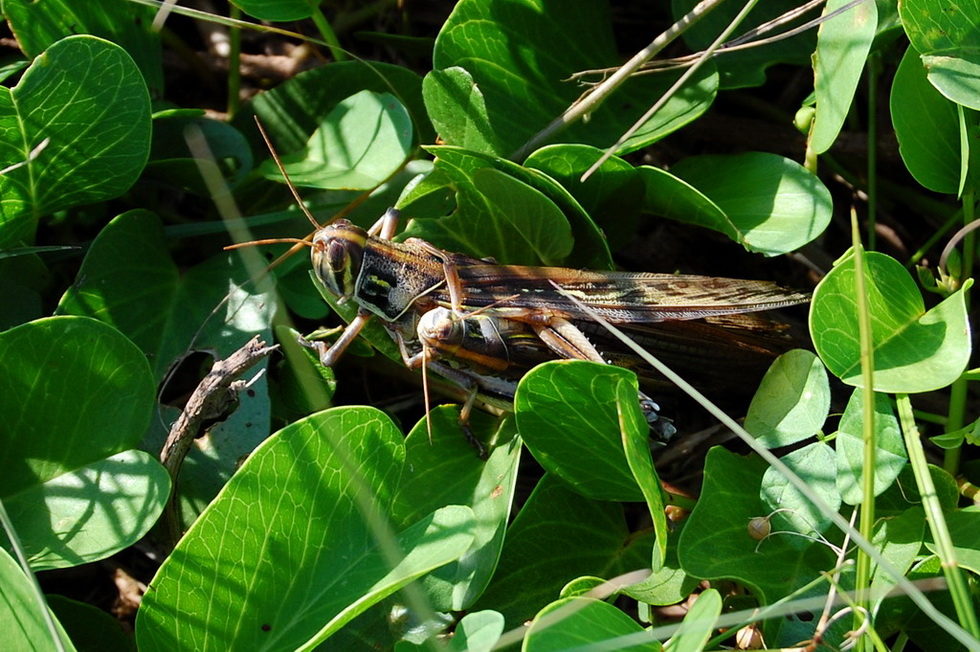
(337, 252)
(440, 329)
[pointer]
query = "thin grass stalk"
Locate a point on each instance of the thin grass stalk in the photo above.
(234, 64)
(957, 394)
(326, 31)
(42, 604)
(863, 570)
(958, 589)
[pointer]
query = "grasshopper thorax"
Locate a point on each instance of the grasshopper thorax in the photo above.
(337, 252)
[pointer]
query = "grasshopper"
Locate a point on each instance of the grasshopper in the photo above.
(398, 282)
(424, 294)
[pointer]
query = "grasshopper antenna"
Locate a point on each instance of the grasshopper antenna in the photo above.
(285, 175)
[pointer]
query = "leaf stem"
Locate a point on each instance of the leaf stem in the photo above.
(323, 25)
(863, 571)
(957, 394)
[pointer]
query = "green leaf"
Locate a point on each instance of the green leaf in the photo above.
(172, 161)
(698, 624)
(815, 464)
(635, 432)
(277, 11)
(843, 43)
(90, 512)
(964, 529)
(568, 413)
(670, 584)
(946, 36)
(292, 111)
(543, 553)
(89, 627)
(890, 455)
(927, 127)
(498, 78)
(22, 624)
(477, 632)
(38, 25)
(446, 470)
(914, 350)
(899, 538)
(77, 125)
(73, 391)
(360, 144)
(612, 195)
(792, 401)
(499, 214)
(311, 545)
(716, 542)
(771, 204)
(570, 623)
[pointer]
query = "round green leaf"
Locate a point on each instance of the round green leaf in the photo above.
(947, 37)
(91, 512)
(297, 544)
(90, 628)
(477, 632)
(568, 413)
(77, 125)
(612, 195)
(580, 622)
(360, 143)
(500, 215)
(890, 454)
(771, 204)
(292, 111)
(914, 350)
(792, 401)
(815, 463)
(73, 391)
(927, 127)
(716, 542)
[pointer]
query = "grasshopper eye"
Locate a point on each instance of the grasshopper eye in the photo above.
(337, 262)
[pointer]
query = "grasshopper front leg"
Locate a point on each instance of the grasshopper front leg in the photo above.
(330, 354)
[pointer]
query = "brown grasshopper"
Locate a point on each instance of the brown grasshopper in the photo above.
(424, 294)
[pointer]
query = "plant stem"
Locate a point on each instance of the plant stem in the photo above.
(958, 589)
(234, 64)
(872, 67)
(866, 526)
(957, 394)
(323, 25)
